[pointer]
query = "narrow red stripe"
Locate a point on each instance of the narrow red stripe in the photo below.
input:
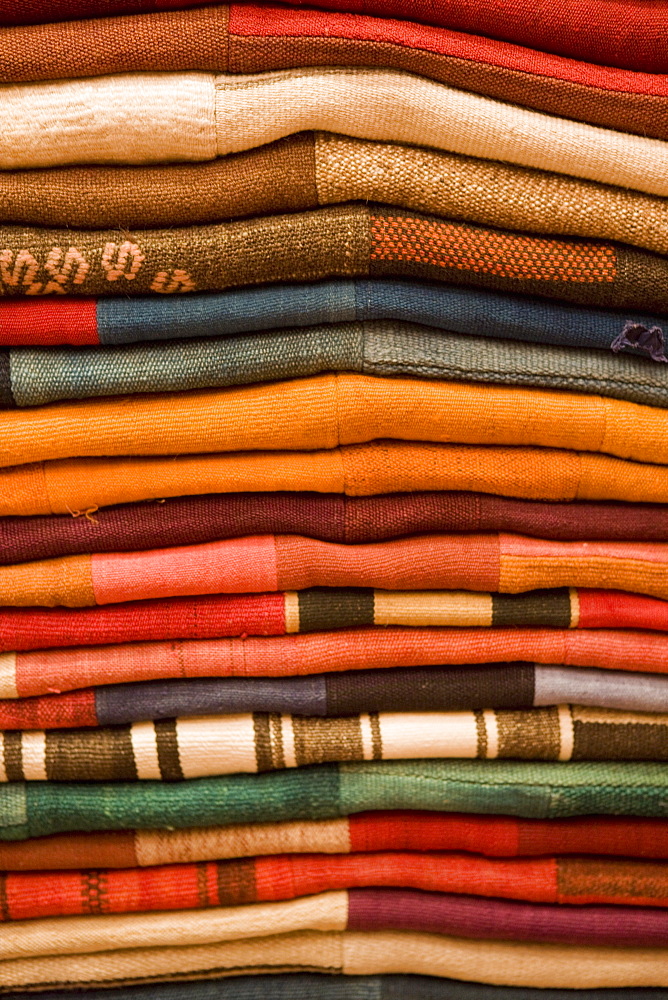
(48, 321)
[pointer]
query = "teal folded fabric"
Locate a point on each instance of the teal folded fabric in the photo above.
(531, 789)
(31, 377)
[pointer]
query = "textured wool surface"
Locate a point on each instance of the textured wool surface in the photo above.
(401, 689)
(609, 32)
(316, 609)
(358, 909)
(538, 790)
(55, 670)
(308, 170)
(351, 240)
(250, 38)
(158, 117)
(210, 745)
(576, 881)
(584, 876)
(358, 952)
(330, 410)
(30, 377)
(332, 518)
(422, 563)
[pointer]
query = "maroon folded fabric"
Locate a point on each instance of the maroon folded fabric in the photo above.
(329, 517)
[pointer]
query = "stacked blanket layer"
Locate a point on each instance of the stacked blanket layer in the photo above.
(334, 500)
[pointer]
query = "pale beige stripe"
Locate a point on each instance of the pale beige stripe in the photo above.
(145, 751)
(8, 676)
(492, 730)
(288, 733)
(3, 770)
(428, 734)
(362, 953)
(575, 607)
(162, 847)
(215, 744)
(367, 736)
(432, 607)
(291, 611)
(33, 755)
(566, 732)
(328, 911)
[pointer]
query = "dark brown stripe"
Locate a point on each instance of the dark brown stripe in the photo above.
(277, 748)
(530, 735)
(4, 902)
(481, 732)
(236, 882)
(619, 741)
(324, 608)
(376, 738)
(90, 755)
(167, 744)
(94, 892)
(13, 756)
(264, 760)
(551, 608)
(319, 741)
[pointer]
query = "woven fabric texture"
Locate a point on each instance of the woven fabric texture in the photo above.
(28, 674)
(30, 377)
(309, 170)
(156, 117)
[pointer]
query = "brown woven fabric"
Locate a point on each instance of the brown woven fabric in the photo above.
(312, 169)
(350, 240)
(204, 39)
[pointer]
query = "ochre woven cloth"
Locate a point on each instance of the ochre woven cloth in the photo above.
(327, 411)
(341, 241)
(575, 881)
(332, 518)
(357, 953)
(583, 879)
(603, 31)
(156, 117)
(251, 38)
(207, 746)
(24, 675)
(312, 610)
(513, 685)
(428, 564)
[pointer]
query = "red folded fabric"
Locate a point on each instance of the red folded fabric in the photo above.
(626, 33)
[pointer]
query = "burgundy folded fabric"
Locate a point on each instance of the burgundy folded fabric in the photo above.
(330, 517)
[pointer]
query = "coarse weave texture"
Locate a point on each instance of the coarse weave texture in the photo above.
(316, 609)
(357, 952)
(485, 836)
(327, 411)
(250, 38)
(538, 790)
(332, 518)
(30, 377)
(348, 240)
(579, 881)
(307, 170)
(157, 117)
(428, 564)
(400, 689)
(51, 671)
(207, 746)
(357, 909)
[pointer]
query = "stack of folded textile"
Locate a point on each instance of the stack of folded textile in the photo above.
(334, 499)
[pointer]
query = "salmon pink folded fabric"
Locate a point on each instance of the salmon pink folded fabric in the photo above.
(24, 675)
(423, 563)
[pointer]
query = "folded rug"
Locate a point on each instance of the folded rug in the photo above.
(550, 880)
(326, 411)
(29, 377)
(473, 311)
(356, 909)
(352, 240)
(312, 610)
(251, 38)
(332, 518)
(583, 879)
(307, 170)
(158, 117)
(399, 689)
(54, 670)
(358, 952)
(540, 790)
(79, 485)
(427, 564)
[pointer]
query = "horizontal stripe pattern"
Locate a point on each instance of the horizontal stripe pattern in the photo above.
(502, 685)
(549, 880)
(177, 749)
(27, 674)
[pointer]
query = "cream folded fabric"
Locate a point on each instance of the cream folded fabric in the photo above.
(354, 953)
(153, 117)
